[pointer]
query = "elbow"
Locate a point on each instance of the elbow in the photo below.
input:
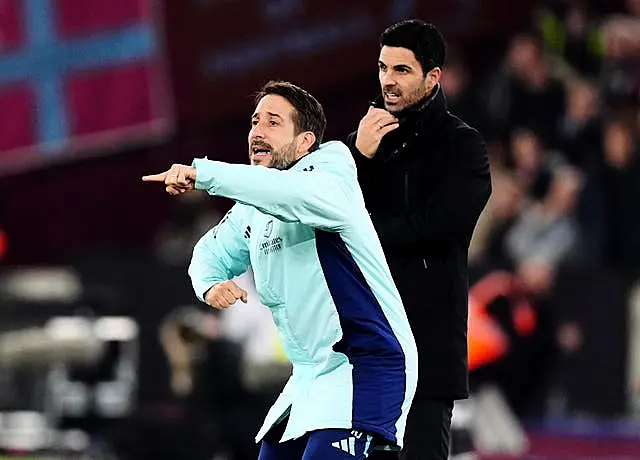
(191, 272)
(194, 284)
(193, 263)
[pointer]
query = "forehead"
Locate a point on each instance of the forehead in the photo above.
(275, 105)
(393, 56)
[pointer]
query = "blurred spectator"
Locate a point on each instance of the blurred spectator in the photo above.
(528, 160)
(532, 208)
(547, 231)
(622, 32)
(501, 212)
(517, 303)
(569, 31)
(523, 93)
(579, 133)
(531, 162)
(579, 139)
(456, 84)
(621, 71)
(190, 217)
(622, 195)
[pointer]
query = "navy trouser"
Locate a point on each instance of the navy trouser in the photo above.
(328, 444)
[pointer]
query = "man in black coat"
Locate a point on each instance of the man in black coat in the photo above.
(425, 178)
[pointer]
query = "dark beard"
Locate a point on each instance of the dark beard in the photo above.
(414, 101)
(283, 158)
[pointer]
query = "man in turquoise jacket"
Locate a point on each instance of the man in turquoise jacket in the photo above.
(301, 224)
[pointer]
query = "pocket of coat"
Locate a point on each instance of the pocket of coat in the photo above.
(294, 347)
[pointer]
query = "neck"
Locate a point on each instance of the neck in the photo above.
(299, 157)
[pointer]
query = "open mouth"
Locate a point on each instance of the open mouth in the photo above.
(391, 98)
(260, 151)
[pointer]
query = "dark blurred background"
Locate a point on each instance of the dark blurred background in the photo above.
(103, 348)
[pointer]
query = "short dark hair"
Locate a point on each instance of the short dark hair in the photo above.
(420, 37)
(308, 114)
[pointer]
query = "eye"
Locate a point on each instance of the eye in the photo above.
(273, 123)
(254, 122)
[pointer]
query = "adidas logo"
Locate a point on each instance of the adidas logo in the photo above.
(348, 445)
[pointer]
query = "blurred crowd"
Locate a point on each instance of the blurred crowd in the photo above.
(561, 118)
(562, 121)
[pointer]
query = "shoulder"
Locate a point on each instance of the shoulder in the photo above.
(336, 148)
(463, 132)
(463, 138)
(335, 155)
(466, 147)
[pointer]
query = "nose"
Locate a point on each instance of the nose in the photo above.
(257, 132)
(387, 79)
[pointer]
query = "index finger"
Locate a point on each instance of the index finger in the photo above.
(381, 114)
(236, 290)
(155, 177)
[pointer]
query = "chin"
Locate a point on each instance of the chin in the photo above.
(261, 162)
(393, 109)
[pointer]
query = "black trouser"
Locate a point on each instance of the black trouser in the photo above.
(428, 432)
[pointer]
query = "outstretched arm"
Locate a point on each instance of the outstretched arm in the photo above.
(319, 196)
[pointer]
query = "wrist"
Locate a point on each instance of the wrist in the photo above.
(364, 152)
(203, 173)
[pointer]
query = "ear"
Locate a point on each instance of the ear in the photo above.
(305, 141)
(433, 77)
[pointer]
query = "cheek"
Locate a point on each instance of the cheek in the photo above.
(415, 89)
(428, 83)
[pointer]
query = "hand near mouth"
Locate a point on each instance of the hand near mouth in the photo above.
(373, 127)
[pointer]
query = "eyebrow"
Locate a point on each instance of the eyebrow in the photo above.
(397, 67)
(271, 114)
